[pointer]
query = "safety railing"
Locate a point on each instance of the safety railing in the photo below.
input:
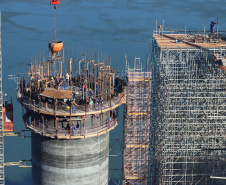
(46, 107)
(69, 133)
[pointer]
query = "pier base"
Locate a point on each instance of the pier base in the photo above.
(68, 162)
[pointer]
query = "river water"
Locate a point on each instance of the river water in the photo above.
(115, 27)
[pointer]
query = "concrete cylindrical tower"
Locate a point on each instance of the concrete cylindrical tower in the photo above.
(69, 162)
(70, 119)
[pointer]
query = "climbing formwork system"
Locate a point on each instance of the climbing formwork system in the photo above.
(136, 127)
(188, 112)
(70, 111)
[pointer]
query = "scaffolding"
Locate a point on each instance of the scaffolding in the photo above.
(188, 113)
(2, 179)
(136, 127)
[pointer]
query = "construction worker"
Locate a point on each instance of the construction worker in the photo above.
(109, 123)
(73, 127)
(91, 93)
(90, 104)
(117, 80)
(212, 26)
(100, 102)
(97, 88)
(67, 79)
(73, 109)
(84, 94)
(24, 84)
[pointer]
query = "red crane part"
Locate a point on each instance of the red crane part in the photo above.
(55, 2)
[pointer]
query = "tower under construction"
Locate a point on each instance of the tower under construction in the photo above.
(70, 113)
(70, 105)
(188, 112)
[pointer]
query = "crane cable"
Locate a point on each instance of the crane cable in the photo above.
(55, 22)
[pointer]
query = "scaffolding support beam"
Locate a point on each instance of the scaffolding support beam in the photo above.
(187, 113)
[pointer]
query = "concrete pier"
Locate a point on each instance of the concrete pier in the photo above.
(69, 162)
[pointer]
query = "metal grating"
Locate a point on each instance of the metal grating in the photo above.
(188, 116)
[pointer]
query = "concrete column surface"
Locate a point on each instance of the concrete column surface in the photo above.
(70, 162)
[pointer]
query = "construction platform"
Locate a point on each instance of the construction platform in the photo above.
(213, 43)
(187, 41)
(188, 112)
(70, 103)
(92, 121)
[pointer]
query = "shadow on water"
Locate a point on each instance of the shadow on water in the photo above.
(114, 182)
(19, 182)
(10, 182)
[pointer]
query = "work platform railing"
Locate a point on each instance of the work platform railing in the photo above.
(82, 131)
(72, 109)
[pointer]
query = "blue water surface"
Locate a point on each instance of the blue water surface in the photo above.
(115, 27)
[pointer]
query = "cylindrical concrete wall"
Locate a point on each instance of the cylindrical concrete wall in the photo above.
(69, 162)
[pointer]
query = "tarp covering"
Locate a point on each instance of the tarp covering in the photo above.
(57, 94)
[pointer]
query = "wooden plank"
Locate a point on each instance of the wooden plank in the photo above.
(136, 146)
(62, 136)
(83, 113)
(137, 80)
(58, 94)
(134, 178)
(168, 41)
(138, 113)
